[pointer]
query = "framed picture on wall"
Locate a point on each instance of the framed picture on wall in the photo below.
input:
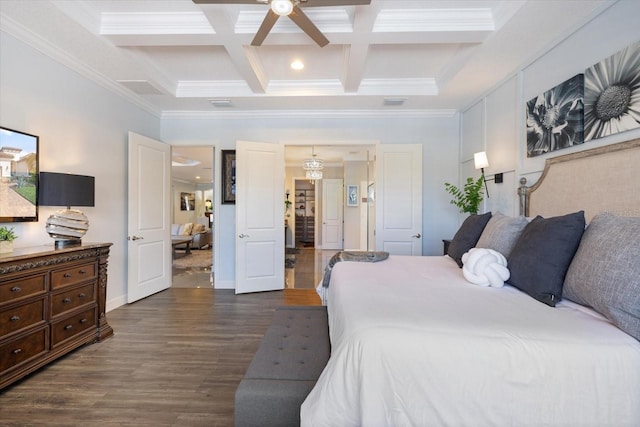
(352, 195)
(228, 192)
(187, 201)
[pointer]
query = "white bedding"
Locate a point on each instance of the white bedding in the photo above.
(414, 344)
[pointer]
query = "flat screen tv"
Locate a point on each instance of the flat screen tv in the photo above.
(18, 176)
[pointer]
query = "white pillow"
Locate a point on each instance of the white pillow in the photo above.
(485, 267)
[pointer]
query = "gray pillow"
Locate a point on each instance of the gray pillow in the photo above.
(501, 233)
(605, 272)
(540, 258)
(467, 236)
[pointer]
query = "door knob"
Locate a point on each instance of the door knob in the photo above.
(242, 236)
(135, 238)
(417, 236)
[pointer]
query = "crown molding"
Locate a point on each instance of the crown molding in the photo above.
(327, 20)
(47, 48)
(310, 114)
(425, 20)
(113, 23)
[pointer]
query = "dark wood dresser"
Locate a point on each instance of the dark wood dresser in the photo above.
(51, 302)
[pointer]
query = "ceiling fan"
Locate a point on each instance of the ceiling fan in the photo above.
(292, 9)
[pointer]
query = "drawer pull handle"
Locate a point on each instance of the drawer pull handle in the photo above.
(15, 318)
(66, 300)
(16, 289)
(66, 328)
(17, 351)
(83, 271)
(83, 321)
(66, 275)
(82, 295)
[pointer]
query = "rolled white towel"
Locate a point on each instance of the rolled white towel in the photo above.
(485, 267)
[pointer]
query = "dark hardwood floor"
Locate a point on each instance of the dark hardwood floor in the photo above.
(175, 360)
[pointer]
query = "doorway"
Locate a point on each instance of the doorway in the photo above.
(315, 230)
(192, 216)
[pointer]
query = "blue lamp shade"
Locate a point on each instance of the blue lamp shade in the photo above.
(66, 226)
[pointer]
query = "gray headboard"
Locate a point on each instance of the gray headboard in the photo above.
(604, 179)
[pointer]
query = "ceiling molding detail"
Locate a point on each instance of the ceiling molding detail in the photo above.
(421, 20)
(155, 23)
(310, 114)
(325, 87)
(327, 20)
(37, 42)
(212, 88)
(427, 87)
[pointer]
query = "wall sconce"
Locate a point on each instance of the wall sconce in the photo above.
(480, 160)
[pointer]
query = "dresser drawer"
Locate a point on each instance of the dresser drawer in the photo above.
(12, 290)
(73, 298)
(21, 316)
(73, 275)
(22, 349)
(67, 328)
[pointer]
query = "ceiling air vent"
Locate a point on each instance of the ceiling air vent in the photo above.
(394, 102)
(221, 102)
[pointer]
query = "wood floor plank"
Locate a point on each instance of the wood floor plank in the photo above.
(175, 360)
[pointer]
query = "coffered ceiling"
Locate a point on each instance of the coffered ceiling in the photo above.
(402, 56)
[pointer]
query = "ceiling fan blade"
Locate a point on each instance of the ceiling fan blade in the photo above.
(305, 24)
(318, 3)
(266, 26)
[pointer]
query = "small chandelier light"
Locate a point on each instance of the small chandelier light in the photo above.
(313, 164)
(314, 174)
(282, 7)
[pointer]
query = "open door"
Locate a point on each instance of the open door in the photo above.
(149, 228)
(332, 210)
(259, 217)
(399, 199)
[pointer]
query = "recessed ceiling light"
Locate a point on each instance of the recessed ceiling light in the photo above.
(297, 65)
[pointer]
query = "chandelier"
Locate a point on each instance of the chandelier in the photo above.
(313, 175)
(313, 166)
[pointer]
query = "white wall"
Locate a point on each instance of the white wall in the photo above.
(438, 135)
(83, 130)
(495, 123)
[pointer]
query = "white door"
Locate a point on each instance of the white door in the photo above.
(259, 217)
(149, 228)
(399, 199)
(332, 213)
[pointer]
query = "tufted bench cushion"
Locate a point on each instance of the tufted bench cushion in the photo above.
(293, 352)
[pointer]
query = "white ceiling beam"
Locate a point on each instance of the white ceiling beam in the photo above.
(243, 57)
(355, 54)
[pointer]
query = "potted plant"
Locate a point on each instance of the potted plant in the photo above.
(6, 239)
(468, 198)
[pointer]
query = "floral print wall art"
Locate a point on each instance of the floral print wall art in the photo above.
(555, 118)
(612, 94)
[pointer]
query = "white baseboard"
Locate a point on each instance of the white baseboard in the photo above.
(114, 303)
(224, 284)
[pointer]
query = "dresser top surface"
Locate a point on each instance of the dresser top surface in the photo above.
(46, 250)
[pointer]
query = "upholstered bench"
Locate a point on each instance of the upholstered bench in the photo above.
(294, 351)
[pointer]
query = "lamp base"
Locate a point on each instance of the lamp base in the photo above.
(67, 227)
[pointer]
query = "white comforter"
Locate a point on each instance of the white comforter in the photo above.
(414, 344)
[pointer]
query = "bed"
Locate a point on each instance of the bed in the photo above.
(415, 344)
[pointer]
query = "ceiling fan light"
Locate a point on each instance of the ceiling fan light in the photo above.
(282, 7)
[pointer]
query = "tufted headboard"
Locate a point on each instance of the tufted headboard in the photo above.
(596, 180)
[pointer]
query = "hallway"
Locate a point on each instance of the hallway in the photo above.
(306, 273)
